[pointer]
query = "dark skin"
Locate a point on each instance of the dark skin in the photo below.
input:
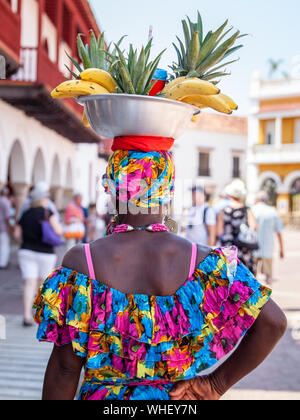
(157, 264)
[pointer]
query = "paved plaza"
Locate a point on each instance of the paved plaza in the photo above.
(23, 359)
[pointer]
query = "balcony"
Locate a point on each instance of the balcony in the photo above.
(29, 90)
(36, 67)
(284, 153)
(10, 33)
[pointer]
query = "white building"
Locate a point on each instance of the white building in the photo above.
(211, 153)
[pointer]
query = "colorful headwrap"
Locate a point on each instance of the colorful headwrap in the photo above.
(144, 179)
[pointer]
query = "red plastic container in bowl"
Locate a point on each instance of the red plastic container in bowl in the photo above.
(160, 76)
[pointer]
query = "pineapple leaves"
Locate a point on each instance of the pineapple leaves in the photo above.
(134, 73)
(198, 53)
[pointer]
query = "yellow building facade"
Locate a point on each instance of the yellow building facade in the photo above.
(273, 162)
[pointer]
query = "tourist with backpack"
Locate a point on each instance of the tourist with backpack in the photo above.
(201, 219)
(237, 225)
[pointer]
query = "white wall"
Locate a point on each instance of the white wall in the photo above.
(63, 58)
(49, 33)
(222, 146)
(29, 27)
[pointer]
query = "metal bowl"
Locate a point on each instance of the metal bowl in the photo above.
(114, 115)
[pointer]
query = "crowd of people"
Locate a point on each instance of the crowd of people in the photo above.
(221, 224)
(231, 222)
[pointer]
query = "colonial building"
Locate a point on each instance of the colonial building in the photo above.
(210, 153)
(42, 139)
(274, 143)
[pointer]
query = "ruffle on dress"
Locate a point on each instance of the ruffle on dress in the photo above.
(126, 338)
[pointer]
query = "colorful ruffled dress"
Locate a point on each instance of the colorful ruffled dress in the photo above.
(135, 346)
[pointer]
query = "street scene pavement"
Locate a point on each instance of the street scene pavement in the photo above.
(23, 359)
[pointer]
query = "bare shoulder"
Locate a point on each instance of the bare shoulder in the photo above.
(74, 259)
(202, 250)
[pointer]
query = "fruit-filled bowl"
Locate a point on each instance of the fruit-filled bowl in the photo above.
(117, 115)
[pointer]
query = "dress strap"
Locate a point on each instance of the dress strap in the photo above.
(89, 261)
(193, 260)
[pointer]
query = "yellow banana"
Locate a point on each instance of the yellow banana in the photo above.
(101, 77)
(85, 121)
(195, 118)
(76, 88)
(173, 83)
(212, 101)
(229, 102)
(192, 86)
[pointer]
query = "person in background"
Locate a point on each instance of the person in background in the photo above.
(222, 202)
(232, 217)
(5, 227)
(74, 220)
(41, 186)
(269, 223)
(36, 258)
(201, 219)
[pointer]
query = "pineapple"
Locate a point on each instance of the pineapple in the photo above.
(201, 56)
(92, 55)
(134, 74)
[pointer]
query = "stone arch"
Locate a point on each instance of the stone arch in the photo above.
(16, 174)
(290, 179)
(39, 167)
(271, 183)
(68, 185)
(56, 184)
(55, 180)
(69, 182)
(16, 164)
(264, 176)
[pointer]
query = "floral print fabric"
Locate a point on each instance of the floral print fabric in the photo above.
(143, 179)
(138, 346)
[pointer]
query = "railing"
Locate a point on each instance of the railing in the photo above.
(271, 148)
(28, 70)
(10, 28)
(37, 67)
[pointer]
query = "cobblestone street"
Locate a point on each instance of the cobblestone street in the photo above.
(23, 359)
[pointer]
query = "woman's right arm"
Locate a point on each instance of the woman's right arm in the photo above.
(259, 342)
(62, 374)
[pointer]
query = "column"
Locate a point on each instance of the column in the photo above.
(57, 196)
(20, 191)
(278, 133)
(41, 12)
(40, 22)
(59, 26)
(19, 7)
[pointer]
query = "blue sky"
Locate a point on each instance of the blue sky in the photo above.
(273, 26)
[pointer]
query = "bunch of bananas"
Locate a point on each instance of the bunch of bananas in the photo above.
(94, 71)
(92, 81)
(199, 93)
